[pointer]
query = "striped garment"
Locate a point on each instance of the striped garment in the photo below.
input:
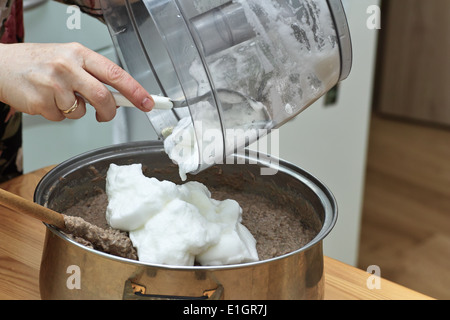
(11, 31)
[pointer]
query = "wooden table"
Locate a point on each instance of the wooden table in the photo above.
(22, 240)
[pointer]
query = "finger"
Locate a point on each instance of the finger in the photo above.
(77, 110)
(110, 73)
(96, 94)
(71, 106)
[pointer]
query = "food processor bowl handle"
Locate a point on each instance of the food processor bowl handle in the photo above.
(343, 34)
(222, 27)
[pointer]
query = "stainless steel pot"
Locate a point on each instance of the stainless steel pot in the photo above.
(72, 271)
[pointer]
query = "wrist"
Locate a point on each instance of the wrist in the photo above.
(5, 61)
(5, 70)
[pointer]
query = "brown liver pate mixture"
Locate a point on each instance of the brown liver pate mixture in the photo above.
(276, 230)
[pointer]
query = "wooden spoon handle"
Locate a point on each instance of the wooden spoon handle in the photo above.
(14, 202)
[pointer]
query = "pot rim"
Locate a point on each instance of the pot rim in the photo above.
(325, 195)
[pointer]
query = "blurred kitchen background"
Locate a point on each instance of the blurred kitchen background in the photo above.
(380, 141)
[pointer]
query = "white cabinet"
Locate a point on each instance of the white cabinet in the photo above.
(330, 142)
(45, 142)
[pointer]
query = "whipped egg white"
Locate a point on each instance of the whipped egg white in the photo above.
(176, 224)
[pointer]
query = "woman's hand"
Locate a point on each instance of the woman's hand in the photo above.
(44, 78)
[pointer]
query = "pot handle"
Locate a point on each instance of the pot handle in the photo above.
(133, 291)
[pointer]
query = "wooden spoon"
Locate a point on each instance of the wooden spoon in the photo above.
(17, 203)
(106, 240)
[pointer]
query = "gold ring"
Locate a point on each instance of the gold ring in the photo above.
(72, 109)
